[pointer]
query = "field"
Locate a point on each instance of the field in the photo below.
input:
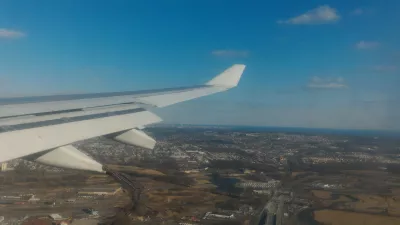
(56, 187)
(321, 194)
(363, 196)
(172, 201)
(362, 203)
(137, 170)
(336, 217)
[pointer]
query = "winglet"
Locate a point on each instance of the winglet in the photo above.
(229, 78)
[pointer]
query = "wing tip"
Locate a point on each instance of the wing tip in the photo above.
(229, 78)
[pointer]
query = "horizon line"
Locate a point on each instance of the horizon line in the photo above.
(286, 127)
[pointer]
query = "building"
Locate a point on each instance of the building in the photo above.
(104, 191)
(33, 199)
(220, 216)
(91, 211)
(55, 216)
(192, 171)
(260, 185)
(57, 219)
(247, 171)
(4, 166)
(263, 192)
(71, 200)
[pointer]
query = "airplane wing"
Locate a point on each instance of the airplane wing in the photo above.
(43, 128)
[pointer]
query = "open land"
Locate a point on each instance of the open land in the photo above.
(219, 175)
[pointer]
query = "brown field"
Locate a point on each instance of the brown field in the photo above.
(175, 200)
(396, 192)
(376, 204)
(335, 217)
(135, 169)
(202, 180)
(294, 174)
(365, 172)
(326, 199)
(366, 204)
(321, 194)
(170, 202)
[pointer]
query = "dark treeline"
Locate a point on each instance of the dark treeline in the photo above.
(207, 141)
(239, 165)
(256, 177)
(231, 204)
(335, 168)
(393, 168)
(230, 150)
(332, 168)
(177, 180)
(167, 166)
(172, 179)
(225, 222)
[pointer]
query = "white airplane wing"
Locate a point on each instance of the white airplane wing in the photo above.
(42, 128)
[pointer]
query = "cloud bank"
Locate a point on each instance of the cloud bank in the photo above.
(326, 83)
(320, 15)
(365, 45)
(357, 12)
(10, 34)
(385, 68)
(229, 53)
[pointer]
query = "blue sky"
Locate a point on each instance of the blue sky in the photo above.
(330, 64)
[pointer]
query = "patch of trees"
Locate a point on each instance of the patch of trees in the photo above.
(226, 222)
(227, 164)
(121, 219)
(255, 202)
(230, 150)
(393, 168)
(161, 165)
(239, 165)
(177, 180)
(374, 187)
(295, 165)
(335, 168)
(167, 165)
(231, 204)
(210, 141)
(184, 181)
(256, 177)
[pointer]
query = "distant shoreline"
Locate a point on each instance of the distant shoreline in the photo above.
(329, 131)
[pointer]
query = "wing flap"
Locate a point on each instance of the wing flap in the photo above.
(16, 144)
(69, 157)
(67, 115)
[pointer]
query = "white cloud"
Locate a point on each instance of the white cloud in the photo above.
(7, 33)
(367, 45)
(230, 53)
(320, 15)
(357, 12)
(326, 83)
(385, 68)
